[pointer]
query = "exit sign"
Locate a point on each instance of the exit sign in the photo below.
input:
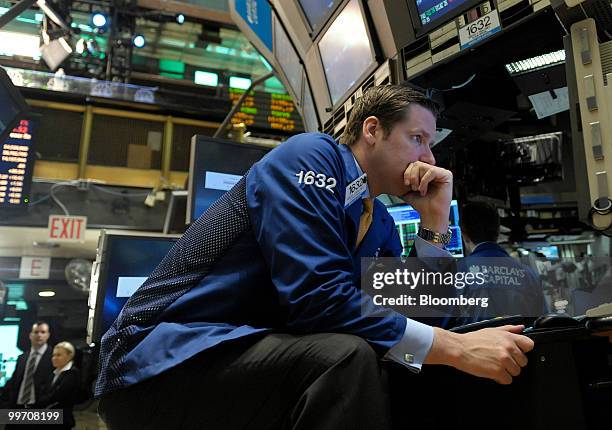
(67, 228)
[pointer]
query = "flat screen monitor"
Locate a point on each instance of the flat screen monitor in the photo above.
(17, 164)
(309, 115)
(318, 11)
(435, 10)
(288, 59)
(9, 334)
(551, 252)
(215, 166)
(12, 105)
(346, 51)
(175, 220)
(123, 263)
(407, 221)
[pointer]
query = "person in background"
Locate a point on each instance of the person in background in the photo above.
(31, 372)
(512, 288)
(63, 385)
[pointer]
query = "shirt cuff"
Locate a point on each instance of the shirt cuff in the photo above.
(413, 347)
(425, 249)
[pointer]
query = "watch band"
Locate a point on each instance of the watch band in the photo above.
(435, 237)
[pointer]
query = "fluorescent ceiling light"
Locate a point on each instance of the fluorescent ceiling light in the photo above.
(206, 78)
(46, 293)
(19, 44)
(240, 83)
(535, 63)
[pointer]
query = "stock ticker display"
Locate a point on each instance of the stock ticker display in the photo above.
(267, 110)
(16, 166)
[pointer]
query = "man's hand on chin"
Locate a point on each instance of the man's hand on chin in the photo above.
(430, 193)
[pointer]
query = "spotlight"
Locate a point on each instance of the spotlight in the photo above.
(180, 18)
(99, 20)
(80, 46)
(139, 41)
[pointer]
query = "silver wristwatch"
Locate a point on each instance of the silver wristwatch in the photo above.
(435, 237)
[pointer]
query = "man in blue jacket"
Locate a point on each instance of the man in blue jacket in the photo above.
(254, 318)
(511, 288)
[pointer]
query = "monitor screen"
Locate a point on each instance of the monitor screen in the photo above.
(9, 334)
(317, 11)
(551, 252)
(124, 262)
(407, 222)
(12, 105)
(215, 167)
(346, 51)
(433, 10)
(288, 60)
(309, 116)
(175, 220)
(17, 165)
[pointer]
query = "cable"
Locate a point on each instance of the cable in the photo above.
(456, 87)
(42, 199)
(54, 197)
(116, 193)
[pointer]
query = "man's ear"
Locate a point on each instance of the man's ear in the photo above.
(370, 126)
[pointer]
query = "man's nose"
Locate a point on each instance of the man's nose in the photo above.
(427, 156)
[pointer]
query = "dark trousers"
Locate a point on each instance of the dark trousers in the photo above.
(279, 381)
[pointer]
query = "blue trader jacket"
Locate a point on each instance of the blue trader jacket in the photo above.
(273, 253)
(512, 288)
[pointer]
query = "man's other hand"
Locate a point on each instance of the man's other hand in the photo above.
(495, 353)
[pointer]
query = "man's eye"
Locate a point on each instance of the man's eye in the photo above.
(418, 139)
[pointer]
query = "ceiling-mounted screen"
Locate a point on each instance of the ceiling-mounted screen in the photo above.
(288, 59)
(309, 116)
(17, 164)
(12, 105)
(317, 11)
(346, 50)
(433, 10)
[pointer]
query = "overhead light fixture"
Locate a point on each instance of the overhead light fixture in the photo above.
(99, 20)
(180, 18)
(240, 83)
(55, 52)
(80, 46)
(139, 41)
(206, 78)
(535, 63)
(49, 293)
(19, 44)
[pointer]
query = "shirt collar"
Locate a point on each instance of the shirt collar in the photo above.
(63, 369)
(40, 350)
(353, 167)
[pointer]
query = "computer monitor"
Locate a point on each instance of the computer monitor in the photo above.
(551, 252)
(318, 11)
(309, 114)
(215, 166)
(429, 14)
(407, 221)
(17, 163)
(9, 334)
(289, 61)
(176, 214)
(12, 105)
(346, 51)
(124, 262)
